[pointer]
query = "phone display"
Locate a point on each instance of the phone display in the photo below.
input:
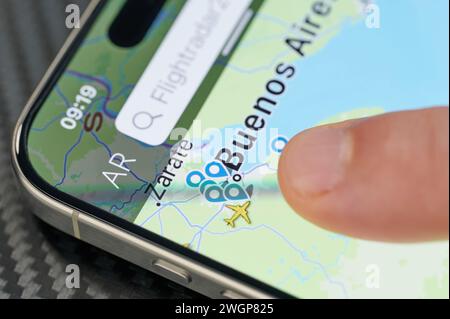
(180, 132)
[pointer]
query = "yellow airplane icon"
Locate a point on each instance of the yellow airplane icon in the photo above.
(240, 211)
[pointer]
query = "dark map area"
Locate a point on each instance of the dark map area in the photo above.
(34, 256)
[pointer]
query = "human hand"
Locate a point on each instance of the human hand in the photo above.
(384, 178)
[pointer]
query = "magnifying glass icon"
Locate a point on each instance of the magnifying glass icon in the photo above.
(144, 120)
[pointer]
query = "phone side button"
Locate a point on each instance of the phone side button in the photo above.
(173, 272)
(228, 294)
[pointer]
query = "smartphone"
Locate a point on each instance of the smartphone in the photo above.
(156, 136)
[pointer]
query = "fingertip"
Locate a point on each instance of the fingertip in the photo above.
(371, 179)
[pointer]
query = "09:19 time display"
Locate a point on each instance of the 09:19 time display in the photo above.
(76, 112)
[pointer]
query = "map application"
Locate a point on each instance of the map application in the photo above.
(182, 133)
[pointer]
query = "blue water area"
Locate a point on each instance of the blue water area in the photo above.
(403, 65)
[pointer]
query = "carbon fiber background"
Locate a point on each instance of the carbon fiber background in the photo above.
(34, 256)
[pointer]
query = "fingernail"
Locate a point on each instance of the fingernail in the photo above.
(317, 160)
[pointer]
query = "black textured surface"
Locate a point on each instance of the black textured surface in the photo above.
(34, 256)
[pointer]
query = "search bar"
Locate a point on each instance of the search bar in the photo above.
(178, 68)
